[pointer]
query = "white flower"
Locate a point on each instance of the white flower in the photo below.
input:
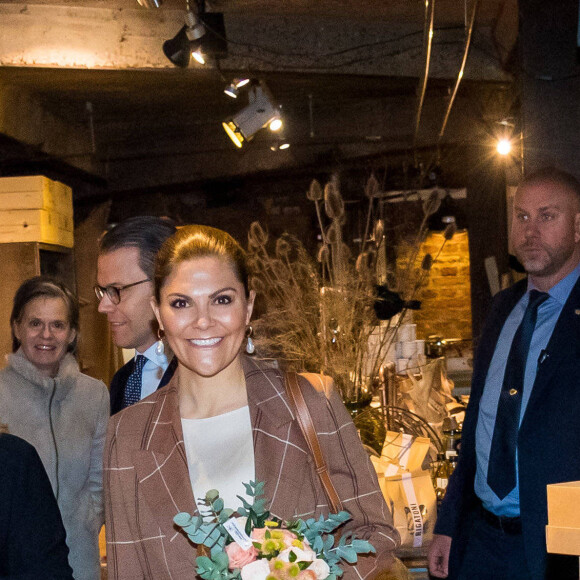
(257, 570)
(320, 568)
(307, 555)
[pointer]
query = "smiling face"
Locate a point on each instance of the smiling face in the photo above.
(204, 311)
(546, 232)
(132, 321)
(44, 333)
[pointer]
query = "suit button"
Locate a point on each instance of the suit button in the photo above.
(513, 392)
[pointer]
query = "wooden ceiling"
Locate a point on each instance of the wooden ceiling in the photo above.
(148, 125)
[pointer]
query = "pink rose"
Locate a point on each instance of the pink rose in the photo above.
(239, 557)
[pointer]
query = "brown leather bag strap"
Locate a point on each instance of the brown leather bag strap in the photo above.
(307, 426)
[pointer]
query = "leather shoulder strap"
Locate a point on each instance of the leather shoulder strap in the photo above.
(306, 425)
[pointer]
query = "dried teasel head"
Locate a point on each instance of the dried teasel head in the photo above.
(432, 203)
(283, 248)
(345, 252)
(427, 262)
(315, 192)
(372, 187)
(378, 232)
(333, 203)
(323, 254)
(450, 230)
(363, 263)
(257, 236)
(332, 235)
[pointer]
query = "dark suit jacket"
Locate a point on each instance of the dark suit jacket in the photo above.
(548, 440)
(147, 480)
(119, 382)
(32, 536)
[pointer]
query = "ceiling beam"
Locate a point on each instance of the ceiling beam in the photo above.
(125, 38)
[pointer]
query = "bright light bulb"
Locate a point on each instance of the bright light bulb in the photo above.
(504, 146)
(198, 56)
(276, 125)
(284, 146)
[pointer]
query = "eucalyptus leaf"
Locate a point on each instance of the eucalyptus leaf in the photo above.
(182, 519)
(218, 505)
(222, 560)
(347, 553)
(211, 495)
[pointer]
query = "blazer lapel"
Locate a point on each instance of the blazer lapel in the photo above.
(563, 344)
(161, 467)
(275, 440)
(169, 372)
(490, 335)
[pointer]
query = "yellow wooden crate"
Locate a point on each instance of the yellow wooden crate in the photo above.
(35, 192)
(36, 225)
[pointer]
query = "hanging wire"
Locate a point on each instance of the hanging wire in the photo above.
(460, 75)
(427, 43)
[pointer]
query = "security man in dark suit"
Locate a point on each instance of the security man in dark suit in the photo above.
(521, 430)
(125, 271)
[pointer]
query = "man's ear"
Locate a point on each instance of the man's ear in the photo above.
(155, 308)
(577, 228)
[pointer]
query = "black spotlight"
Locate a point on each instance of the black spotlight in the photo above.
(177, 49)
(203, 33)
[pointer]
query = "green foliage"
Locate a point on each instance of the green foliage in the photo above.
(209, 531)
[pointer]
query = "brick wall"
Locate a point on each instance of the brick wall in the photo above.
(446, 292)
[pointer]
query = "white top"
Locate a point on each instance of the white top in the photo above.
(153, 370)
(220, 455)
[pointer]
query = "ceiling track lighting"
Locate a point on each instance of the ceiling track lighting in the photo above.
(280, 146)
(259, 113)
(203, 36)
(233, 89)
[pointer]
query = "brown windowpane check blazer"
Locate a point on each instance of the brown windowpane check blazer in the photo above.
(147, 481)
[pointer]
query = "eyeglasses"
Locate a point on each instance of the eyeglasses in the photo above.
(114, 292)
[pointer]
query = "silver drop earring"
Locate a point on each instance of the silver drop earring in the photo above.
(250, 347)
(160, 348)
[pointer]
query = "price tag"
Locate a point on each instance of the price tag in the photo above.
(238, 533)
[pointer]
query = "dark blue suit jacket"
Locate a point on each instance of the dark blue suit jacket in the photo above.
(119, 382)
(548, 440)
(32, 536)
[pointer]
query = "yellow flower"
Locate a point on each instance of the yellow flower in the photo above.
(271, 524)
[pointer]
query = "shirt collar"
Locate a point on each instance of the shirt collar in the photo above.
(151, 354)
(562, 289)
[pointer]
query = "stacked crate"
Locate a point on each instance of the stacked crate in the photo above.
(35, 209)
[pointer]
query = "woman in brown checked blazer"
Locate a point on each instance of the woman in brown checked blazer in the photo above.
(224, 418)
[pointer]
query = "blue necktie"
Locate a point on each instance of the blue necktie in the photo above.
(501, 472)
(133, 388)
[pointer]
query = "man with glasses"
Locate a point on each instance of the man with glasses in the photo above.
(125, 270)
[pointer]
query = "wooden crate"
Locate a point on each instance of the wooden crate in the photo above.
(36, 225)
(35, 192)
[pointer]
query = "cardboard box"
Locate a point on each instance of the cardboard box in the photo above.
(36, 225)
(563, 540)
(35, 192)
(563, 529)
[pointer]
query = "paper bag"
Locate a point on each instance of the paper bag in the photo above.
(407, 488)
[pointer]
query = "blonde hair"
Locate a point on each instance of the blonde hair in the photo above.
(191, 242)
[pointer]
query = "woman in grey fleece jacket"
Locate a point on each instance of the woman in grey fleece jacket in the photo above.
(46, 400)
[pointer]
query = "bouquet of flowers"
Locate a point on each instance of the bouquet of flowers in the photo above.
(251, 545)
